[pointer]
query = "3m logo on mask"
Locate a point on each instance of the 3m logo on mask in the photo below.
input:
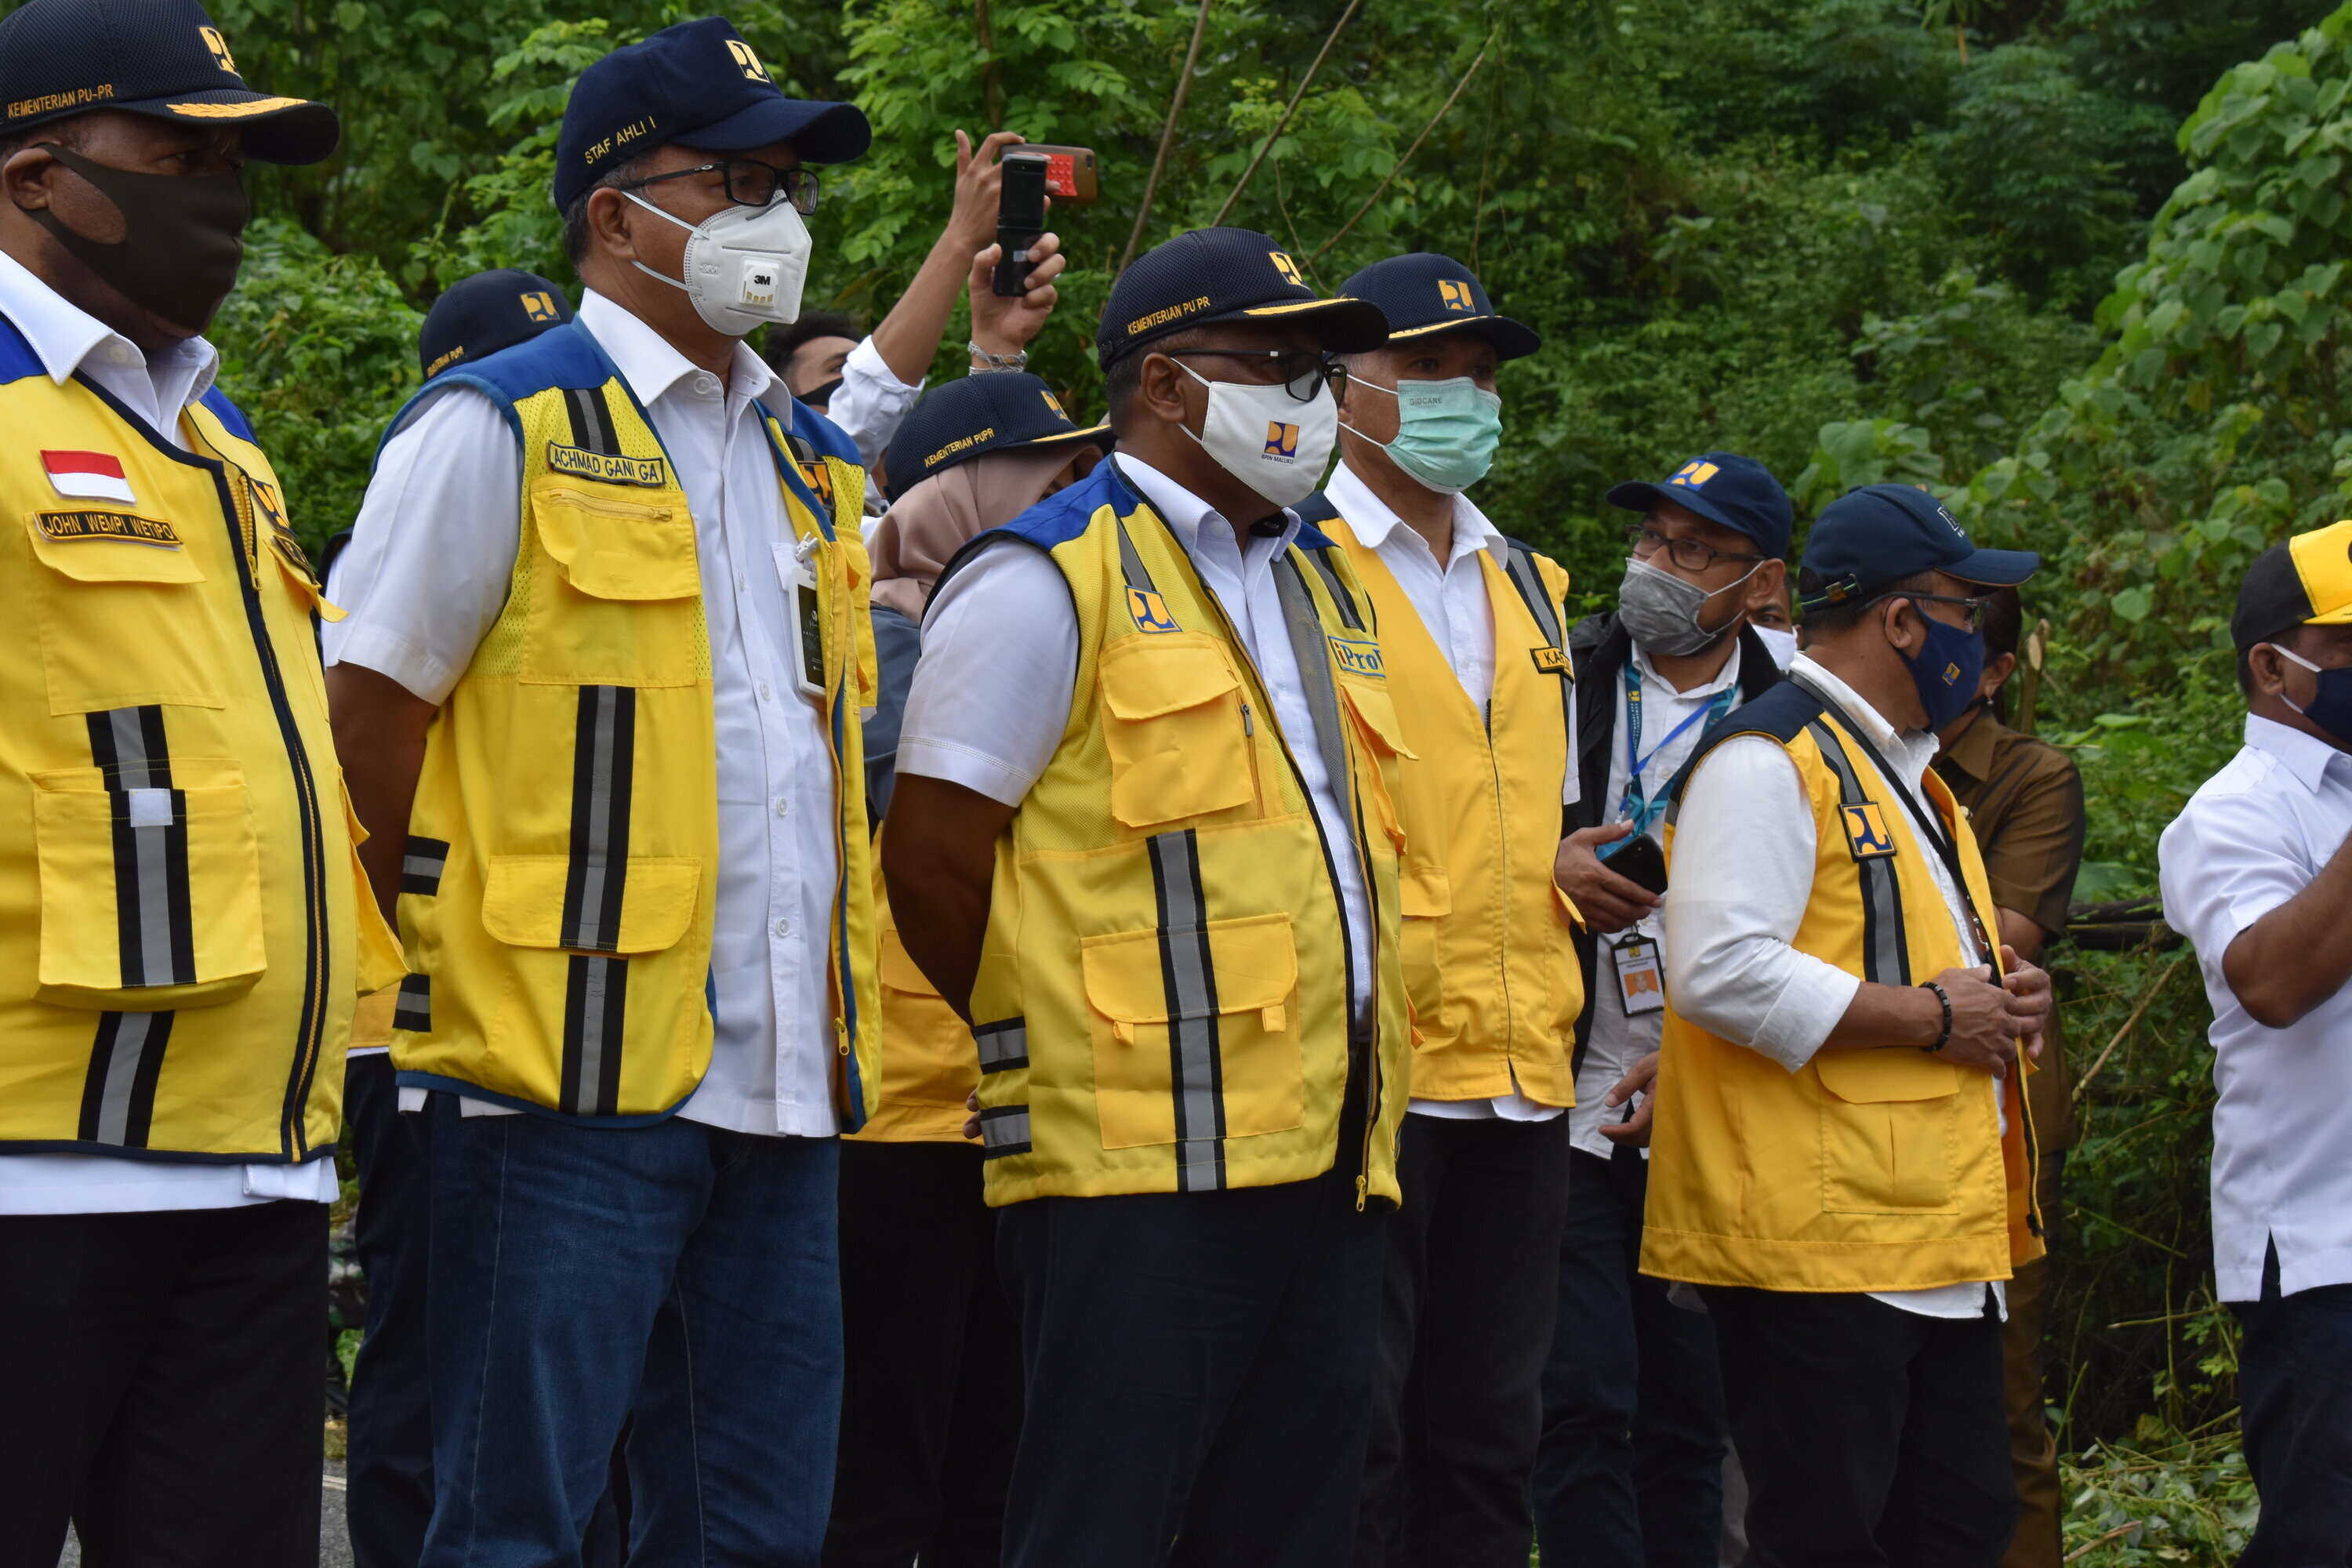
(747, 61)
(539, 305)
(1866, 832)
(1358, 657)
(1455, 296)
(1150, 611)
(1287, 268)
(219, 47)
(1695, 473)
(759, 284)
(1281, 440)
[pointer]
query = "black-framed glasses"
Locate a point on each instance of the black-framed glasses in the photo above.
(1973, 610)
(1302, 372)
(749, 183)
(1690, 554)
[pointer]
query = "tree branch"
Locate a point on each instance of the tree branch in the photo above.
(1287, 109)
(1400, 163)
(1167, 135)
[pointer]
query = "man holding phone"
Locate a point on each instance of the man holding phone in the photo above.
(1628, 1470)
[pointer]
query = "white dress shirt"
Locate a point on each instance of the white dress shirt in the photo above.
(993, 689)
(871, 402)
(1743, 875)
(1451, 599)
(2250, 838)
(1612, 1041)
(66, 339)
(426, 577)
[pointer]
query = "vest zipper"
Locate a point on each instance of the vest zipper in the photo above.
(233, 485)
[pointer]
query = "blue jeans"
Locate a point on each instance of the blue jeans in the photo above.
(678, 1277)
(2294, 1390)
(1629, 1470)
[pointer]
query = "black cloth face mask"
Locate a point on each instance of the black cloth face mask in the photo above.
(180, 249)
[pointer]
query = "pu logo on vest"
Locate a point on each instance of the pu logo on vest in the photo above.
(1151, 612)
(68, 527)
(1455, 296)
(1281, 440)
(1358, 657)
(219, 47)
(1287, 268)
(819, 478)
(539, 305)
(1866, 832)
(1549, 660)
(748, 62)
(608, 468)
(1695, 473)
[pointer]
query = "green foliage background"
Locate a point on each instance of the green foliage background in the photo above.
(2028, 252)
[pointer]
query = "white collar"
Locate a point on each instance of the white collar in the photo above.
(1724, 677)
(1373, 519)
(1867, 719)
(64, 335)
(651, 365)
(2306, 756)
(1186, 514)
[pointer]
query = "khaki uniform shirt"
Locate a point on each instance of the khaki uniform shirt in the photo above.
(2025, 800)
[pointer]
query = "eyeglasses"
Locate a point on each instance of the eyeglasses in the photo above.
(1690, 554)
(749, 183)
(1302, 373)
(1973, 610)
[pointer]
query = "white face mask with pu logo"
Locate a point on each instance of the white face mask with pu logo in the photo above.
(1266, 438)
(744, 267)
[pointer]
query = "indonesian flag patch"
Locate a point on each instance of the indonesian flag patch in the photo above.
(93, 475)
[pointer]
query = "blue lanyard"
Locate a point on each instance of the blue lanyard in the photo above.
(1638, 808)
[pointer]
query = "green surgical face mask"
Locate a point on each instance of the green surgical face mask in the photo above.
(1446, 431)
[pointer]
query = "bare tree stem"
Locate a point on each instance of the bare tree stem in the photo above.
(1167, 135)
(1287, 110)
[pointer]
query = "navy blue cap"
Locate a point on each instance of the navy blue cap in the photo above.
(1001, 411)
(699, 83)
(1426, 294)
(486, 312)
(1738, 492)
(162, 58)
(1224, 275)
(1869, 539)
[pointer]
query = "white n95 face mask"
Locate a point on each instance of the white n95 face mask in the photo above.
(1266, 438)
(744, 267)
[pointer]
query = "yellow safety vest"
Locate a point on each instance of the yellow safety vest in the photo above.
(1866, 1170)
(1489, 958)
(560, 879)
(930, 1063)
(1163, 1000)
(183, 930)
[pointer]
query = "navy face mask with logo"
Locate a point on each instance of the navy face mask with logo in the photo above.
(2331, 705)
(1947, 669)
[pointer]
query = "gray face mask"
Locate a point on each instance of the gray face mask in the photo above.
(1661, 611)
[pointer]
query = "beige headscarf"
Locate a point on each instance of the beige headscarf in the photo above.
(939, 516)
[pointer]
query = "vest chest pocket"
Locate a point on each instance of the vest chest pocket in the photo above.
(1890, 1131)
(928, 1057)
(125, 621)
(1172, 720)
(1195, 1032)
(1373, 713)
(1425, 896)
(622, 605)
(151, 885)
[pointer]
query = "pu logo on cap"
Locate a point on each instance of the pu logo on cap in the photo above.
(1287, 268)
(219, 47)
(539, 305)
(1055, 403)
(1695, 473)
(1281, 440)
(1456, 296)
(1866, 832)
(752, 70)
(1149, 611)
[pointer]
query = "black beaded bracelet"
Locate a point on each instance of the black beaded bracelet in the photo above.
(1942, 1000)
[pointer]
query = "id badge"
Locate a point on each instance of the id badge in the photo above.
(1641, 983)
(804, 619)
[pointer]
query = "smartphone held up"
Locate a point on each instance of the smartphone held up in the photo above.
(1032, 174)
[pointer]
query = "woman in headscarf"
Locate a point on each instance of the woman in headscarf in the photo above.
(932, 1396)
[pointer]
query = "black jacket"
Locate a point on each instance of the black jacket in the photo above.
(1597, 647)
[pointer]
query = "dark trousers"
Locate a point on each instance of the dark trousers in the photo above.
(1871, 1437)
(162, 1383)
(1629, 1473)
(930, 1399)
(2040, 1542)
(678, 1277)
(390, 1468)
(2294, 1392)
(1199, 1375)
(1467, 1306)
